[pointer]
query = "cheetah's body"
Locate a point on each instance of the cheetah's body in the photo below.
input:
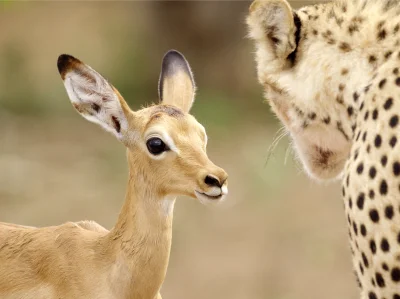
(331, 74)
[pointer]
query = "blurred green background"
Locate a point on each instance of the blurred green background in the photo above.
(279, 235)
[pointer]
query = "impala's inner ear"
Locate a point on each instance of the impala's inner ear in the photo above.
(93, 96)
(176, 85)
(273, 21)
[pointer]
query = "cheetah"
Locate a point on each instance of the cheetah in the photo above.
(331, 73)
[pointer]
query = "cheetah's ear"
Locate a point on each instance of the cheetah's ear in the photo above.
(271, 22)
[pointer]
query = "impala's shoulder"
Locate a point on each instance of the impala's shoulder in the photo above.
(70, 231)
(91, 226)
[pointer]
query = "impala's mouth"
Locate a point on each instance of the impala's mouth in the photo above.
(207, 197)
(212, 197)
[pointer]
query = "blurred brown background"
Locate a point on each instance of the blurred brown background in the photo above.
(279, 235)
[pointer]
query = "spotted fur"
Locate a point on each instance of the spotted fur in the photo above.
(340, 103)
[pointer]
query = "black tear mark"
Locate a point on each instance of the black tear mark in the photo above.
(117, 124)
(341, 130)
(95, 107)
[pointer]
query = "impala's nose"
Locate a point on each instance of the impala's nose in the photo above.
(212, 181)
(217, 179)
(213, 186)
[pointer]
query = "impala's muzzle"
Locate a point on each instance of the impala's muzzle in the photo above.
(214, 186)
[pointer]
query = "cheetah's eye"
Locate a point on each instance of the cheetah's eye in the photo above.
(156, 146)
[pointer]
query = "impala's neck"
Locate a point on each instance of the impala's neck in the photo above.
(141, 239)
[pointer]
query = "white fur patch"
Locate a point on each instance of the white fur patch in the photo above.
(170, 142)
(224, 190)
(167, 205)
(214, 191)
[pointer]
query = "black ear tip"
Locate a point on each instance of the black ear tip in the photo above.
(174, 54)
(173, 63)
(174, 60)
(64, 63)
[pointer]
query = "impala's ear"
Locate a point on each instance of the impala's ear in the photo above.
(93, 96)
(272, 22)
(176, 86)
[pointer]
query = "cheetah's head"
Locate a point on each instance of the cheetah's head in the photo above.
(312, 69)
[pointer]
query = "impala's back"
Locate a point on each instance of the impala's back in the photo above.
(39, 263)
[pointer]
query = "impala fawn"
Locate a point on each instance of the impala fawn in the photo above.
(166, 150)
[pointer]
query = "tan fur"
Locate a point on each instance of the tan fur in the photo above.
(83, 259)
(171, 87)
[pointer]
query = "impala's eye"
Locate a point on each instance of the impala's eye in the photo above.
(156, 146)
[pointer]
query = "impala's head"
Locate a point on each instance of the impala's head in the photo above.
(311, 66)
(166, 145)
